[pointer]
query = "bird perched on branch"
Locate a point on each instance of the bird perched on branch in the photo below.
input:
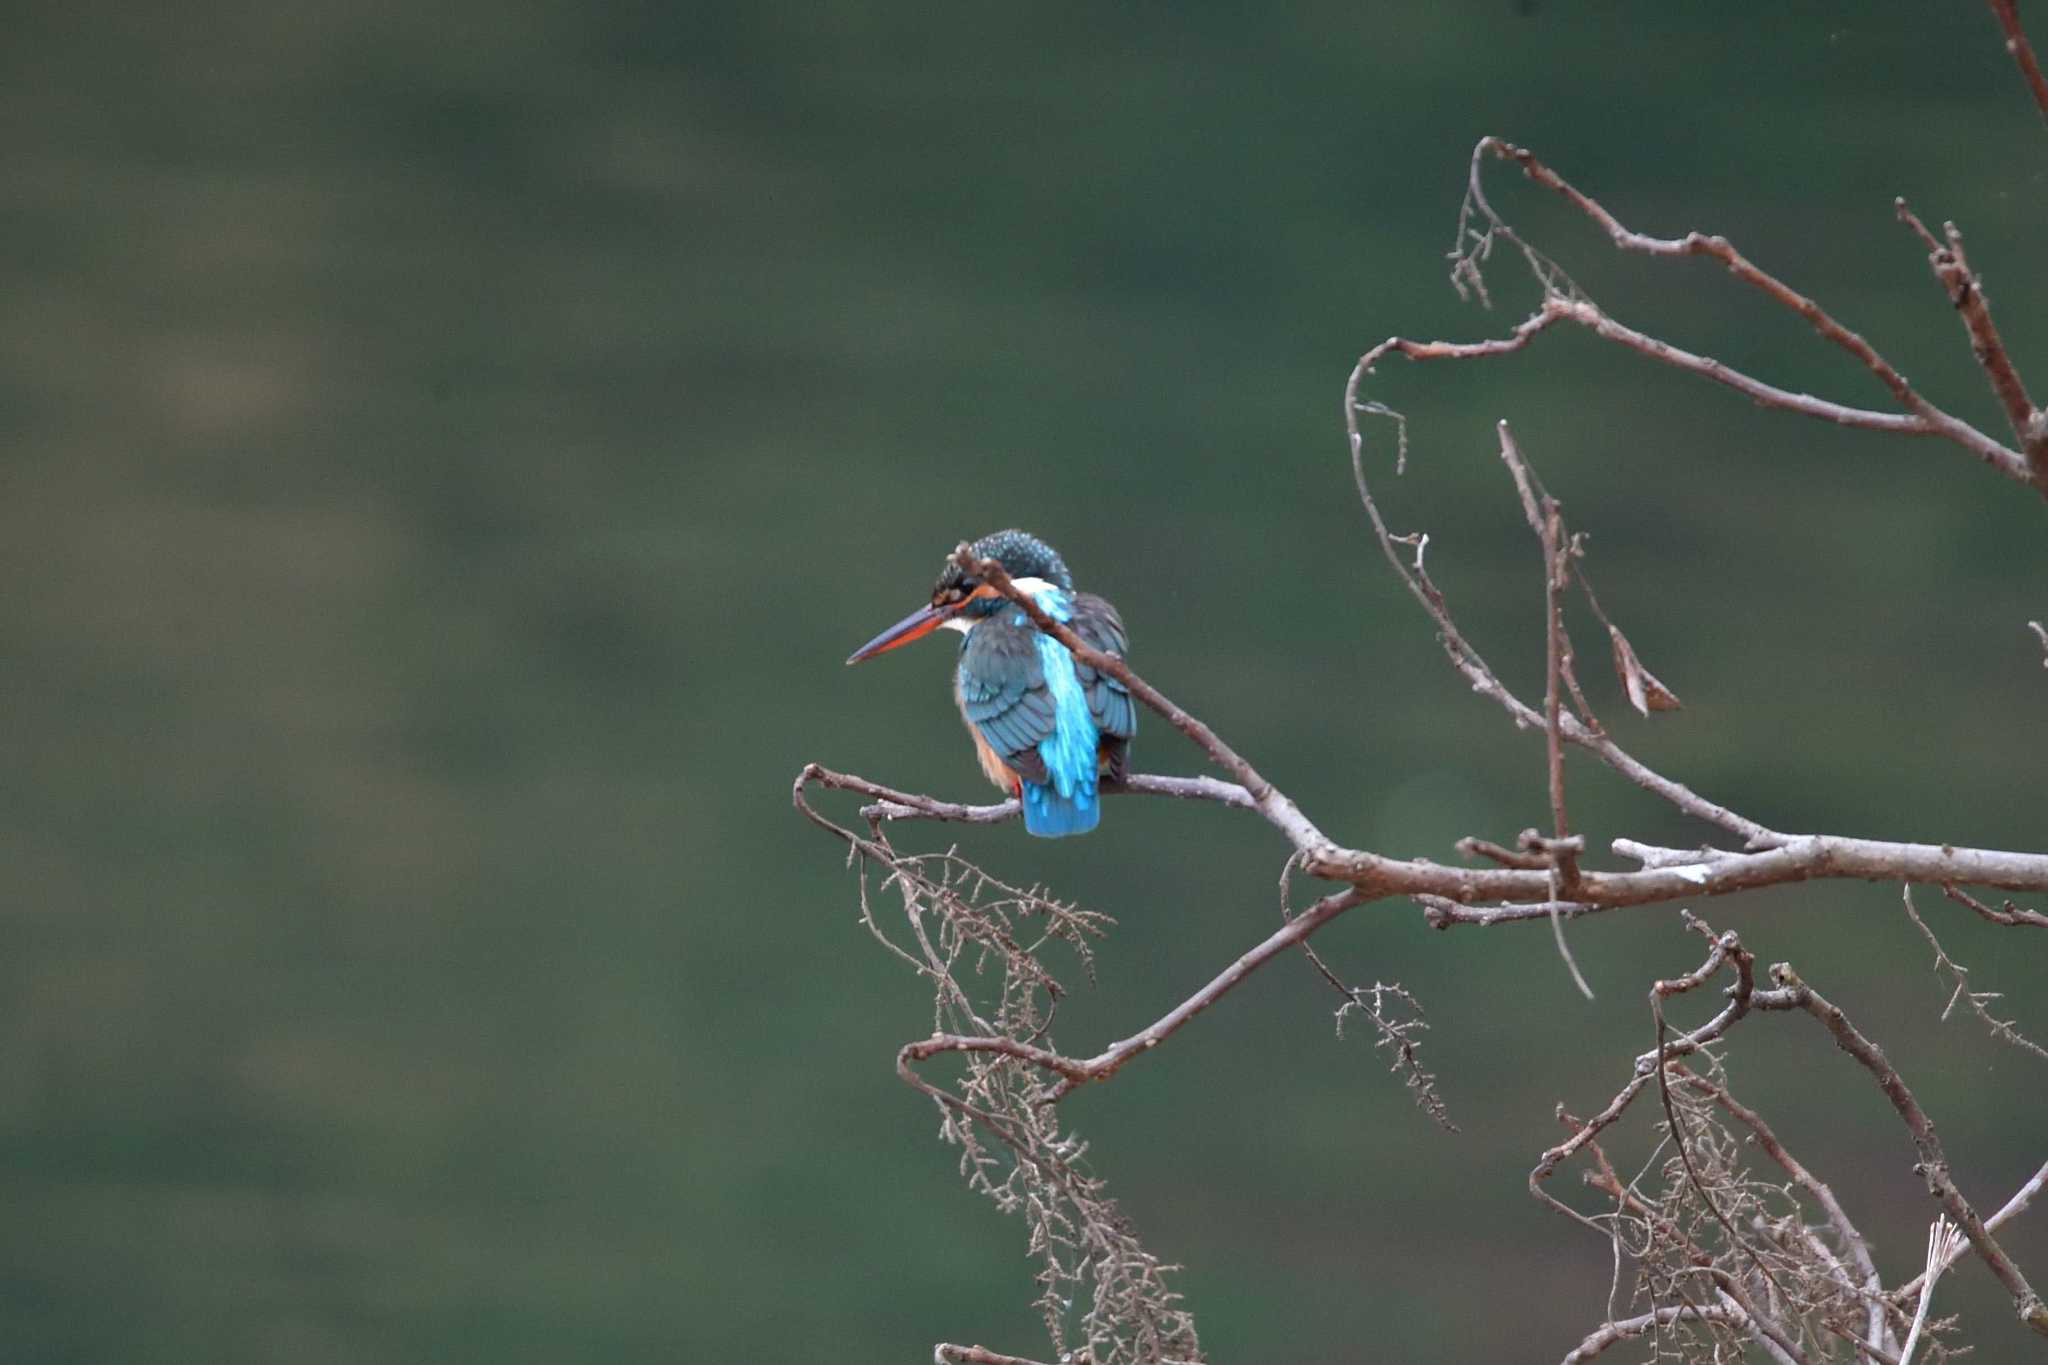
(1045, 725)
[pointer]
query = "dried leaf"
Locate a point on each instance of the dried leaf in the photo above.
(1645, 693)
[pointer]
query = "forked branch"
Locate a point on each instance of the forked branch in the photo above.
(1481, 228)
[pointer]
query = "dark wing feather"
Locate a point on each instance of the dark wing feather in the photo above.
(1003, 693)
(1109, 701)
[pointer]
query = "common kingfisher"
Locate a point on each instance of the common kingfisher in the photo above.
(1045, 725)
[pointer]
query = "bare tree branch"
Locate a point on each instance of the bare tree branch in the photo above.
(1726, 949)
(1075, 1072)
(2008, 14)
(1978, 1001)
(1933, 1164)
(1678, 1142)
(1794, 994)
(1561, 850)
(2021, 1198)
(1801, 858)
(892, 804)
(1480, 226)
(2010, 914)
(1966, 292)
(1727, 1262)
(1770, 1335)
(945, 1353)
(1614, 1333)
(1379, 1003)
(1866, 1278)
(1470, 663)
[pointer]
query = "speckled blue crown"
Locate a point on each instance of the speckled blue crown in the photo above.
(1021, 554)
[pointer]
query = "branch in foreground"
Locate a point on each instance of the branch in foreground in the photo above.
(892, 804)
(1524, 894)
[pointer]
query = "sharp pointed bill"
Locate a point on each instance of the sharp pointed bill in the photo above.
(915, 626)
(1046, 727)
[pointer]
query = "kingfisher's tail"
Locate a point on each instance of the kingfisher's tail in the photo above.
(1050, 813)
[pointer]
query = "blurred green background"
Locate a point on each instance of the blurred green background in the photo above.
(451, 448)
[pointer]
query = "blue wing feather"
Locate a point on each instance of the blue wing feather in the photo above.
(1026, 697)
(1109, 701)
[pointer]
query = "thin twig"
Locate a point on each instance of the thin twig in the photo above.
(1866, 1282)
(2008, 14)
(1470, 663)
(1077, 1071)
(1933, 419)
(1725, 950)
(1658, 991)
(1546, 520)
(2010, 914)
(1769, 1335)
(2001, 1029)
(1614, 1333)
(1933, 1164)
(1563, 300)
(1474, 847)
(1965, 290)
(2021, 1198)
(1297, 930)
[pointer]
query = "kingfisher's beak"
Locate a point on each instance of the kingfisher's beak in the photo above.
(915, 626)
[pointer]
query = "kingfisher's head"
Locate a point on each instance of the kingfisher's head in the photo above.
(960, 600)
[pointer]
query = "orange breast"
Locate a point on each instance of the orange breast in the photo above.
(999, 772)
